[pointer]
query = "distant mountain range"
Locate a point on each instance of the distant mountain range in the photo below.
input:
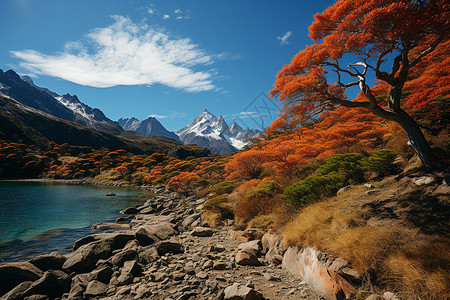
(66, 107)
(206, 130)
(33, 115)
(213, 133)
(149, 127)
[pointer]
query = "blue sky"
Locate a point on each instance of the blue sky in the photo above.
(169, 59)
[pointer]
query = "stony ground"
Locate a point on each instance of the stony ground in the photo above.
(208, 266)
(165, 252)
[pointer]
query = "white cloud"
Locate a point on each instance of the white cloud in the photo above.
(284, 39)
(125, 54)
(177, 11)
(246, 114)
(166, 16)
(157, 116)
(151, 11)
(179, 17)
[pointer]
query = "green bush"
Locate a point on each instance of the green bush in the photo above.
(346, 165)
(224, 187)
(336, 172)
(313, 188)
(216, 205)
(266, 189)
(381, 161)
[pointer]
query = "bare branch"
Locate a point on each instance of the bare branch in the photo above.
(426, 51)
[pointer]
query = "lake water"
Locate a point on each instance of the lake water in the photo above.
(44, 217)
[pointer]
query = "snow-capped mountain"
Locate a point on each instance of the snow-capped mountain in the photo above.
(213, 133)
(148, 127)
(66, 107)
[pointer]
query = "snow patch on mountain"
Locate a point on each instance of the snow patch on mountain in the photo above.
(214, 133)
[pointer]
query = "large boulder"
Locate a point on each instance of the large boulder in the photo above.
(52, 284)
(52, 261)
(95, 288)
(85, 258)
(12, 274)
(119, 258)
(117, 239)
(129, 270)
(149, 234)
(238, 291)
(102, 274)
(309, 265)
(101, 246)
(17, 292)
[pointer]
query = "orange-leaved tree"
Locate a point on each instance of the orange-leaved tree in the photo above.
(382, 39)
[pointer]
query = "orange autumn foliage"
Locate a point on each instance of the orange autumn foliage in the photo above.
(354, 40)
(341, 130)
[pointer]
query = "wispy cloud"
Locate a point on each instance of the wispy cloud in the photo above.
(157, 116)
(151, 11)
(125, 54)
(177, 11)
(173, 115)
(166, 16)
(246, 114)
(284, 39)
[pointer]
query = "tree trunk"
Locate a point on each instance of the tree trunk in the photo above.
(416, 138)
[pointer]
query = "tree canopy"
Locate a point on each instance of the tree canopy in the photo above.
(382, 39)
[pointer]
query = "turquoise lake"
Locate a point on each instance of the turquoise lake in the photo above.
(43, 217)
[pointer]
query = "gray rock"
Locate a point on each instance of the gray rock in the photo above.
(53, 284)
(12, 274)
(164, 247)
(17, 292)
(219, 265)
(271, 277)
(117, 239)
(119, 258)
(147, 255)
(85, 258)
(95, 288)
(247, 257)
(129, 270)
(102, 274)
(45, 262)
(130, 211)
(423, 180)
(202, 275)
(390, 296)
(202, 231)
(107, 226)
(255, 245)
(150, 234)
(238, 291)
(189, 220)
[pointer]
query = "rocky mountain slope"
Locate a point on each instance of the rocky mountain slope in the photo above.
(24, 124)
(66, 106)
(149, 127)
(214, 133)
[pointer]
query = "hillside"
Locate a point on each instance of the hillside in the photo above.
(23, 124)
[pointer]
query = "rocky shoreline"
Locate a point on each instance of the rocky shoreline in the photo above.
(167, 252)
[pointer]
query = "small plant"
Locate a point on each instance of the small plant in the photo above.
(381, 161)
(224, 187)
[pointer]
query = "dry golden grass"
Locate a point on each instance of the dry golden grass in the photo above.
(404, 260)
